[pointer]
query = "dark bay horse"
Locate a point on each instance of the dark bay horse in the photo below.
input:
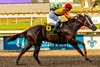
(68, 31)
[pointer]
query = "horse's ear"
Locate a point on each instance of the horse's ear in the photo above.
(77, 15)
(85, 15)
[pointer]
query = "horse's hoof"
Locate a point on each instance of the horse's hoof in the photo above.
(17, 63)
(88, 60)
(39, 63)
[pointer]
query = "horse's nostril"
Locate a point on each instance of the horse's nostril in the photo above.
(94, 28)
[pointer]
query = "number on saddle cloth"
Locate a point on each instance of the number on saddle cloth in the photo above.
(48, 27)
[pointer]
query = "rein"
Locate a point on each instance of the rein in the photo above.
(83, 22)
(86, 20)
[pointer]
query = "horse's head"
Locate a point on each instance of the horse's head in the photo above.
(86, 21)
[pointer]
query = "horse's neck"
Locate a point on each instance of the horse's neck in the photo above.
(75, 25)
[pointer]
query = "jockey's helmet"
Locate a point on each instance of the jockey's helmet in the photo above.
(68, 5)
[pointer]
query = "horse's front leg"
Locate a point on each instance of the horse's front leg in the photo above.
(75, 43)
(85, 51)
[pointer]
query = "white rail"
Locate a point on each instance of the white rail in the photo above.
(22, 15)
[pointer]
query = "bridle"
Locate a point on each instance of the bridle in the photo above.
(85, 22)
(90, 25)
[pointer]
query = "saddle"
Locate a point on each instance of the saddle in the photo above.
(50, 33)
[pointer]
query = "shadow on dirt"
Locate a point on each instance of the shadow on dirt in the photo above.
(50, 61)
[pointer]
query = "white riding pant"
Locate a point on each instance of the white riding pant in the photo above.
(52, 18)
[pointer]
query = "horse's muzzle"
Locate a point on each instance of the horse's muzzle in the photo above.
(94, 28)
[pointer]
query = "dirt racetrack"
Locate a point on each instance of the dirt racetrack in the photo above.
(52, 58)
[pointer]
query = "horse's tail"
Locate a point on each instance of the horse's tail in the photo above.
(23, 34)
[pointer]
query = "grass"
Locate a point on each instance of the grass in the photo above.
(22, 24)
(79, 9)
(13, 26)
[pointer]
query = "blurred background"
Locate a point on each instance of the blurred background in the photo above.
(19, 15)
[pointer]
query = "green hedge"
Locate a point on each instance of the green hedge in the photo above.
(78, 9)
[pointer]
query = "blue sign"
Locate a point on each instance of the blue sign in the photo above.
(20, 43)
(80, 38)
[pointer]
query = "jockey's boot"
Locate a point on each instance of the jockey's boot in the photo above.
(56, 28)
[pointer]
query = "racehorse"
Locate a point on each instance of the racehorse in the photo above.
(35, 35)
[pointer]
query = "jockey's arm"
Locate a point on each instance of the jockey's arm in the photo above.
(66, 15)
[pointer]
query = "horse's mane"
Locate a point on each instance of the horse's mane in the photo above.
(69, 21)
(72, 20)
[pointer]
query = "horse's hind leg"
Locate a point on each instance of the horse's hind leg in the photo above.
(23, 51)
(36, 51)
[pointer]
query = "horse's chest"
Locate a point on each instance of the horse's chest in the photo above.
(68, 30)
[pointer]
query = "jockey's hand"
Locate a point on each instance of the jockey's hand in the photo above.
(75, 18)
(69, 19)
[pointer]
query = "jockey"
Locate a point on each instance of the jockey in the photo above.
(59, 12)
